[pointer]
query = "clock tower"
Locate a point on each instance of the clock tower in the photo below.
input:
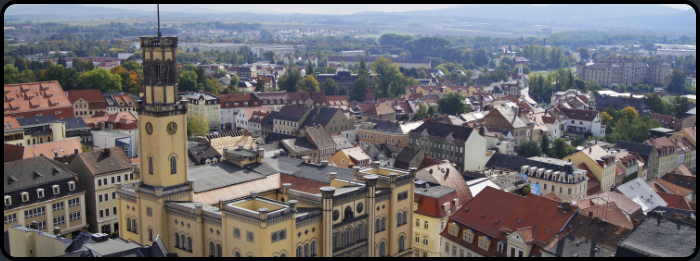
(162, 117)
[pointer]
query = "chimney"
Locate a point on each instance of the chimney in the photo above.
(376, 164)
(596, 220)
(107, 152)
(293, 204)
(354, 145)
(351, 165)
(332, 175)
(324, 163)
(241, 147)
(305, 159)
(253, 193)
(75, 152)
(57, 231)
(566, 207)
(590, 214)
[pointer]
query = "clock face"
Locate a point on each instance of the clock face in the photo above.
(149, 128)
(172, 128)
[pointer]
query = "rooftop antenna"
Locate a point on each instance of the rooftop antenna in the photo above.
(158, 8)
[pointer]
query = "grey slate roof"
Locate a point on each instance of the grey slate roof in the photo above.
(97, 162)
(291, 113)
(441, 130)
(200, 154)
(659, 236)
(642, 149)
(433, 191)
(323, 117)
(584, 238)
(298, 145)
(386, 126)
(221, 174)
(639, 192)
(35, 173)
(513, 163)
(36, 120)
(277, 137)
(74, 123)
(296, 168)
(407, 154)
(319, 136)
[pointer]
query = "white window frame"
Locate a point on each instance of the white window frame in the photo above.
(56, 189)
(71, 185)
(25, 196)
(8, 201)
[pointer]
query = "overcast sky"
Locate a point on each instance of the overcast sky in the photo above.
(307, 8)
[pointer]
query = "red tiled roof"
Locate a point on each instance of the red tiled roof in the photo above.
(302, 184)
(62, 148)
(669, 121)
(432, 207)
(611, 213)
(88, 95)
(582, 115)
(492, 204)
(34, 96)
(11, 123)
(451, 178)
(628, 206)
(683, 170)
(541, 213)
(675, 201)
(674, 188)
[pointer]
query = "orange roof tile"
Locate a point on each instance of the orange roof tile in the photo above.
(48, 149)
(34, 96)
(611, 213)
(675, 201)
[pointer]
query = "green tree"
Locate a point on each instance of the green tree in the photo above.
(389, 80)
(544, 143)
(101, 79)
(453, 104)
(529, 149)
(559, 149)
(481, 58)
(269, 56)
(583, 53)
(197, 125)
(187, 82)
(260, 85)
(11, 74)
(309, 84)
(233, 83)
(677, 84)
(330, 87)
(680, 105)
(290, 80)
(656, 103)
(431, 111)
(422, 112)
(309, 67)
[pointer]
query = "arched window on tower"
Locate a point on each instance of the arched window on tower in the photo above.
(177, 240)
(401, 243)
(133, 226)
(128, 224)
(150, 165)
(173, 165)
(382, 249)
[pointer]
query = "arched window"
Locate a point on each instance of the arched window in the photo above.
(283, 255)
(219, 250)
(383, 223)
(399, 219)
(128, 224)
(189, 244)
(150, 234)
(150, 165)
(182, 241)
(378, 226)
(348, 213)
(133, 226)
(236, 254)
(347, 237)
(335, 240)
(173, 165)
(405, 217)
(211, 249)
(359, 232)
(314, 249)
(299, 251)
(382, 247)
(177, 240)
(306, 250)
(401, 243)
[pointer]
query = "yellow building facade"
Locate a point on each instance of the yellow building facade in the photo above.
(599, 163)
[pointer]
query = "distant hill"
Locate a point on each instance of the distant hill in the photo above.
(23, 9)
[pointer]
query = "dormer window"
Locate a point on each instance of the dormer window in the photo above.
(8, 201)
(40, 193)
(71, 185)
(25, 196)
(446, 206)
(56, 189)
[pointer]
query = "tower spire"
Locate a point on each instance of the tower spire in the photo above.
(158, 7)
